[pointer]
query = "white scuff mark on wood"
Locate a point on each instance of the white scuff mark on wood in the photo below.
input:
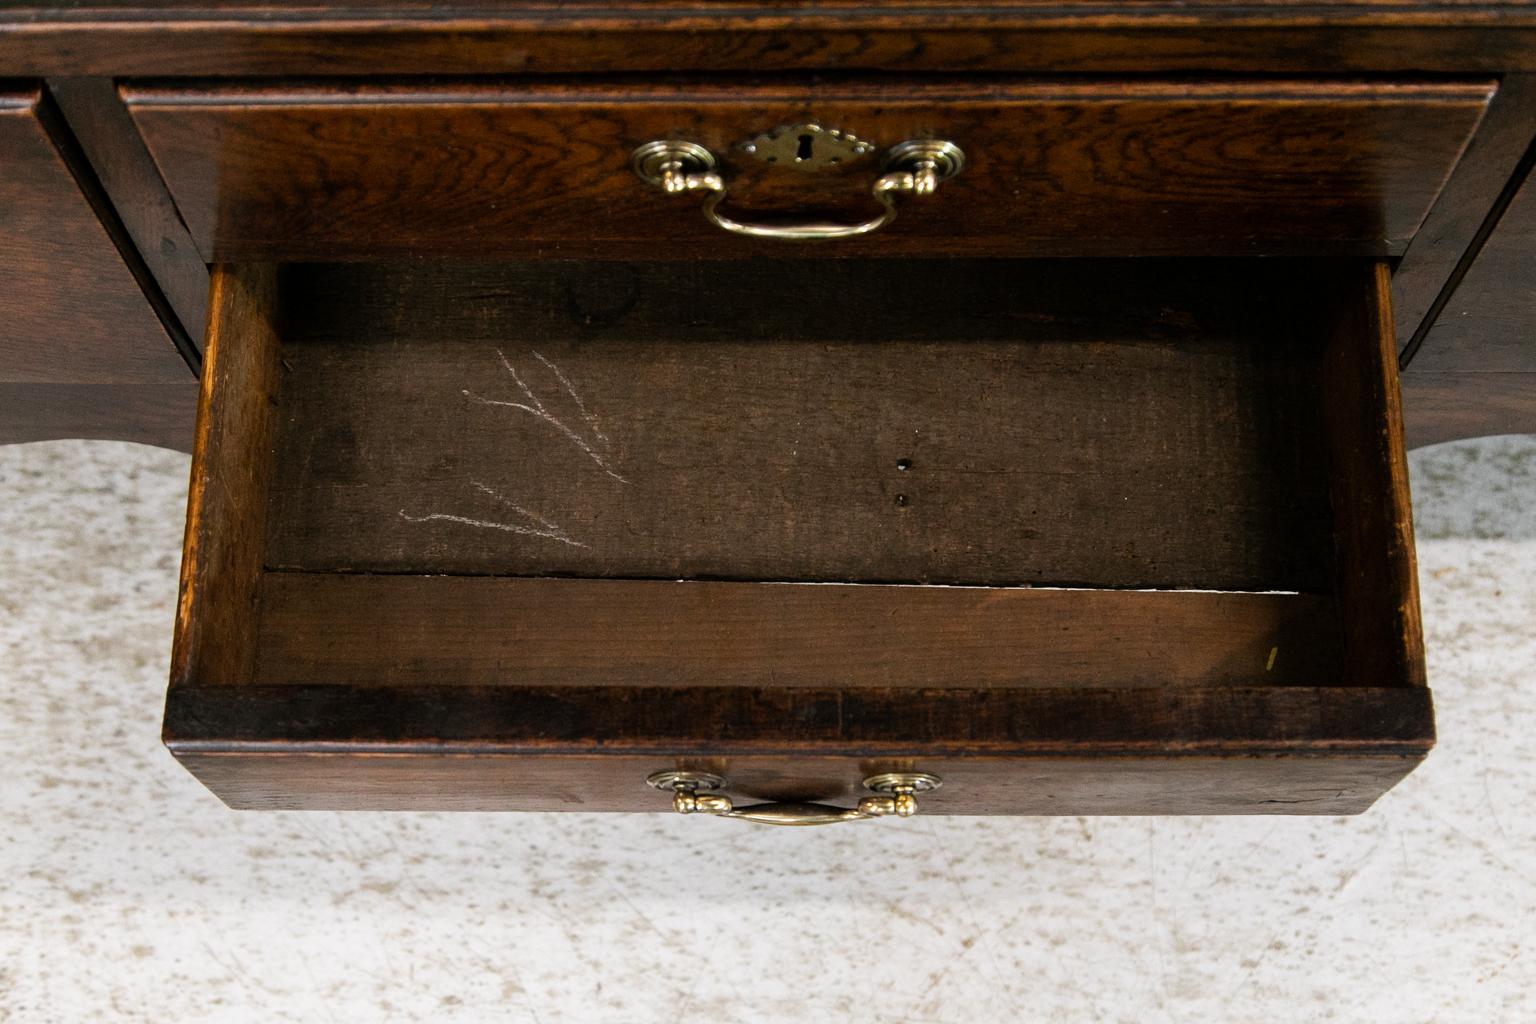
(536, 525)
(488, 524)
(514, 506)
(581, 406)
(598, 449)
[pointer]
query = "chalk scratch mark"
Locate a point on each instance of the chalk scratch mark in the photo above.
(514, 506)
(539, 527)
(535, 407)
(570, 389)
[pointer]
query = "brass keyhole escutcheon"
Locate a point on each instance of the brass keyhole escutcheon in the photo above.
(807, 147)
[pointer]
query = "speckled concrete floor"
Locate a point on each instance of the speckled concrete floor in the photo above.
(128, 893)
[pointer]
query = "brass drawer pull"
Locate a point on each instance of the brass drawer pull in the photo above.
(915, 167)
(692, 794)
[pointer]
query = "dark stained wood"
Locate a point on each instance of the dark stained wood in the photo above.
(1447, 406)
(231, 463)
(1442, 250)
(1016, 751)
(1489, 324)
(100, 123)
(311, 11)
(850, 722)
(1170, 36)
(1377, 588)
(1131, 785)
(1059, 168)
(71, 309)
(347, 689)
(1475, 372)
(964, 423)
(1252, 437)
(454, 630)
(157, 414)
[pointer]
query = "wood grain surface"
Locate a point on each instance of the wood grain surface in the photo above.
(367, 630)
(550, 36)
(71, 309)
(1449, 240)
(1449, 405)
(1054, 168)
(1202, 751)
(1489, 324)
(864, 723)
(231, 463)
(965, 422)
(1377, 582)
(107, 136)
(158, 414)
(1088, 785)
(1475, 371)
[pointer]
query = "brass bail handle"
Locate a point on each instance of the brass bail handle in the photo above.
(914, 168)
(896, 794)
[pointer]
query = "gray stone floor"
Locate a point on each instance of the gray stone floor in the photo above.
(128, 893)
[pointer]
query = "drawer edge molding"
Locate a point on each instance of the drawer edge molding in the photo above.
(876, 722)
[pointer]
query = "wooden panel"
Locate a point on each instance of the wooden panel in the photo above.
(1207, 751)
(1489, 324)
(864, 723)
(112, 144)
(973, 786)
(158, 414)
(231, 463)
(1475, 372)
(1378, 583)
(1061, 168)
(1443, 249)
(1446, 406)
(534, 37)
(955, 423)
(71, 312)
(240, 10)
(446, 630)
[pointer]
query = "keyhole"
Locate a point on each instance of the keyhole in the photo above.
(804, 152)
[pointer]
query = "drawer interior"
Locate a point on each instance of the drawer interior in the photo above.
(915, 481)
(992, 425)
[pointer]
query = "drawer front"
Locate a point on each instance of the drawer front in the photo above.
(73, 314)
(519, 536)
(1049, 168)
(1005, 753)
(1475, 373)
(1489, 324)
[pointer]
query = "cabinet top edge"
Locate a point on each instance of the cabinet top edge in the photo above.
(278, 15)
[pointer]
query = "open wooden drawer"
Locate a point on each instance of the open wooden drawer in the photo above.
(1075, 537)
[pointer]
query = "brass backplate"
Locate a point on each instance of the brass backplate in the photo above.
(807, 147)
